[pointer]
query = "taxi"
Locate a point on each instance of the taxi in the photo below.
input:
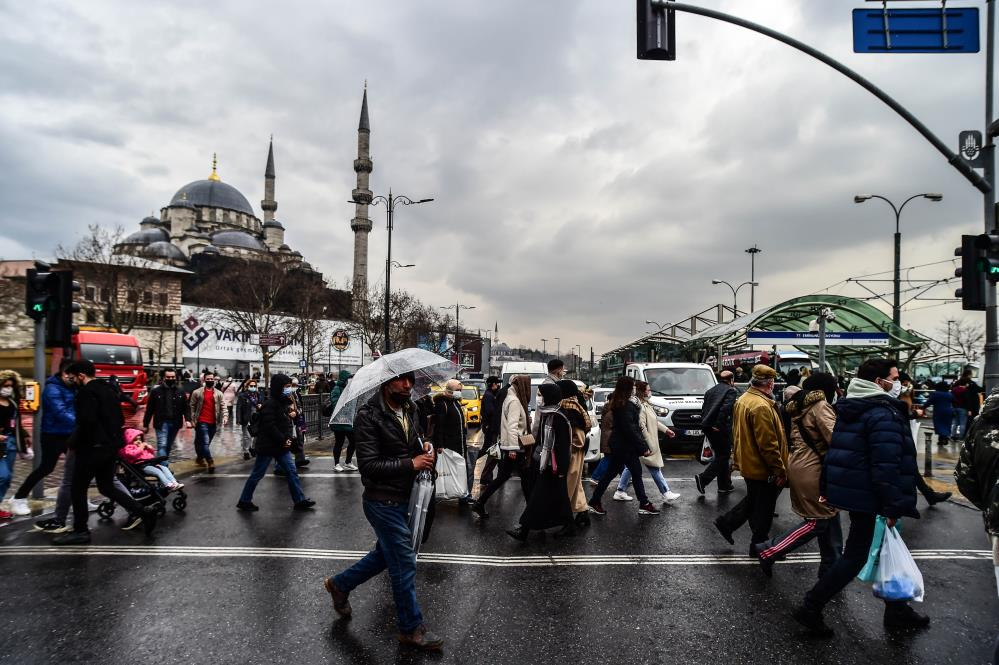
(471, 402)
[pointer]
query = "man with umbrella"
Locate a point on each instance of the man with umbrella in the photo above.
(390, 454)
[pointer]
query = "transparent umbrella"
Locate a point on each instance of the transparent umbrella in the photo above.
(429, 368)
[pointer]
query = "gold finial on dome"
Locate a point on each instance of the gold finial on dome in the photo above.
(214, 176)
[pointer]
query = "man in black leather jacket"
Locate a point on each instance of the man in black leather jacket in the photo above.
(390, 453)
(716, 419)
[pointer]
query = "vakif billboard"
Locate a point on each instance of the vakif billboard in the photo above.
(208, 334)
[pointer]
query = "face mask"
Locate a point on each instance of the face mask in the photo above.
(170, 382)
(896, 389)
(6, 392)
(457, 394)
(252, 389)
(287, 391)
(209, 384)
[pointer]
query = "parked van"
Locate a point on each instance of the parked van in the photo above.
(533, 370)
(677, 398)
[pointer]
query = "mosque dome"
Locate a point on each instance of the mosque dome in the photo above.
(237, 239)
(164, 250)
(147, 236)
(212, 194)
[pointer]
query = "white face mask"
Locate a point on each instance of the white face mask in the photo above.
(896, 389)
(457, 395)
(6, 392)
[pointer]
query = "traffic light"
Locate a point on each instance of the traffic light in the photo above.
(988, 246)
(656, 30)
(973, 283)
(38, 291)
(59, 326)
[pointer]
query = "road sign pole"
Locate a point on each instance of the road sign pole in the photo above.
(38, 491)
(991, 378)
(822, 341)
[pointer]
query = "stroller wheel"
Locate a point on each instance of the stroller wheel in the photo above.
(106, 510)
(180, 503)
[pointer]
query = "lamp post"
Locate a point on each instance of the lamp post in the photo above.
(457, 310)
(896, 308)
(576, 363)
(390, 203)
(735, 292)
(658, 325)
(544, 352)
(558, 348)
(752, 251)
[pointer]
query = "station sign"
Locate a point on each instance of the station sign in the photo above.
(785, 338)
(913, 30)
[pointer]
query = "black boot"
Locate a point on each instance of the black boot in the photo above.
(520, 533)
(934, 498)
(898, 614)
(582, 520)
(567, 531)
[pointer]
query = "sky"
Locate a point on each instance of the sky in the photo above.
(578, 191)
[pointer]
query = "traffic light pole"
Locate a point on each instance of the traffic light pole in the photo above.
(38, 491)
(991, 378)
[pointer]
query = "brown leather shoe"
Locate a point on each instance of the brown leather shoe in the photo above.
(423, 639)
(340, 602)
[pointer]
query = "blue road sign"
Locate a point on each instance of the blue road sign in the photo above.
(951, 30)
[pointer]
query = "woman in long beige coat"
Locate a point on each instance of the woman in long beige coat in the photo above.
(812, 422)
(573, 407)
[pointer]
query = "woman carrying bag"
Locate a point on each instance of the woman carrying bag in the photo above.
(515, 443)
(654, 463)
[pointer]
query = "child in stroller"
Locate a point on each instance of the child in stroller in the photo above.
(143, 456)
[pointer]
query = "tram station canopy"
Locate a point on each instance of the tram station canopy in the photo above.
(795, 315)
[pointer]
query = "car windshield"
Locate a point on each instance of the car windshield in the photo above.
(678, 381)
(600, 398)
(533, 375)
(469, 392)
(111, 354)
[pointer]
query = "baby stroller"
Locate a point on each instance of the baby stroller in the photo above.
(146, 489)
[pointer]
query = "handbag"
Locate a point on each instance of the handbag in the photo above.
(526, 440)
(494, 451)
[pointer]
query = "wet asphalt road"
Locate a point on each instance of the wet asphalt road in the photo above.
(218, 586)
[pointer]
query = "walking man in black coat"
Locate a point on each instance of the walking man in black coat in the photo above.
(716, 419)
(389, 453)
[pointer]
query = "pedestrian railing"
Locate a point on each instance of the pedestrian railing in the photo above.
(315, 423)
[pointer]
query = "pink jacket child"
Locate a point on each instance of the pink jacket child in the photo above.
(137, 451)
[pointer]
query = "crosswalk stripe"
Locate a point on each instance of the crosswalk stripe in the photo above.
(453, 559)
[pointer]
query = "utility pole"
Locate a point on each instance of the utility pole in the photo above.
(989, 199)
(544, 348)
(752, 251)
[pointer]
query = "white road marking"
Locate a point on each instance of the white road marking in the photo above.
(300, 475)
(548, 561)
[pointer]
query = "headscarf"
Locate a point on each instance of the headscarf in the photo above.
(522, 387)
(552, 397)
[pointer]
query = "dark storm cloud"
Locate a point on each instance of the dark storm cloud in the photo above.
(599, 190)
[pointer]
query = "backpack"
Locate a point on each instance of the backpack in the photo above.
(253, 427)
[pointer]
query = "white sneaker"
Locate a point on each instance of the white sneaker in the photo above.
(622, 496)
(592, 482)
(339, 467)
(670, 497)
(20, 507)
(92, 507)
(350, 466)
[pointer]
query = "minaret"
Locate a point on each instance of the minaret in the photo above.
(361, 197)
(269, 205)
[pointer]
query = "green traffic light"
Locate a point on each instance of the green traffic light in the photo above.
(37, 307)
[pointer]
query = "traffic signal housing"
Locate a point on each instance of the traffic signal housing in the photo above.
(38, 291)
(59, 328)
(973, 282)
(988, 247)
(656, 30)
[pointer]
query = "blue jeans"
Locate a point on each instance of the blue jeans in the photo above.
(203, 435)
(959, 423)
(657, 478)
(601, 469)
(165, 436)
(283, 460)
(394, 550)
(7, 466)
(161, 472)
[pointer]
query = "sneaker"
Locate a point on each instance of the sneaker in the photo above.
(670, 497)
(132, 521)
(622, 496)
(478, 509)
(50, 526)
(726, 534)
(92, 507)
(339, 468)
(350, 466)
(421, 638)
(812, 620)
(901, 615)
(699, 482)
(304, 462)
(767, 565)
(596, 508)
(341, 602)
(72, 538)
(4, 515)
(592, 481)
(247, 506)
(20, 507)
(648, 509)
(305, 504)
(726, 490)
(179, 486)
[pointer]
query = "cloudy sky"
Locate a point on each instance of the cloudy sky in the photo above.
(578, 190)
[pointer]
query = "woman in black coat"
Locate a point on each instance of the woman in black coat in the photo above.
(626, 444)
(549, 504)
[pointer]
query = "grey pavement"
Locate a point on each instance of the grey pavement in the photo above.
(219, 586)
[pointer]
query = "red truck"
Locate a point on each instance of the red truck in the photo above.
(113, 354)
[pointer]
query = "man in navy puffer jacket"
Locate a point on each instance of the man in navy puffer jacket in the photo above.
(870, 470)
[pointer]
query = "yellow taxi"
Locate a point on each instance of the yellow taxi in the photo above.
(471, 402)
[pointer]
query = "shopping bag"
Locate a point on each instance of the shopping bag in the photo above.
(914, 425)
(451, 479)
(869, 572)
(898, 576)
(707, 453)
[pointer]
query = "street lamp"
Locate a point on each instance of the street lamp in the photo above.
(735, 291)
(390, 204)
(544, 352)
(457, 310)
(396, 264)
(658, 325)
(896, 308)
(752, 251)
(558, 348)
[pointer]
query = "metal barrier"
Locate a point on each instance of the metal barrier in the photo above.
(315, 422)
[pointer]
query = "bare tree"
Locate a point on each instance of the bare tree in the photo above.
(961, 338)
(411, 321)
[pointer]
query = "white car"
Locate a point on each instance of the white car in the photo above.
(677, 398)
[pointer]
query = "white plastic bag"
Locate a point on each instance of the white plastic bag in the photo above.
(898, 577)
(451, 480)
(707, 452)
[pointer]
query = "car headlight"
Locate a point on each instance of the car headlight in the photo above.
(472, 409)
(661, 411)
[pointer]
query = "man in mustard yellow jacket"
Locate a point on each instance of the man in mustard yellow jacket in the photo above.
(760, 454)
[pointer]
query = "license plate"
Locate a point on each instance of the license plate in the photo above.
(693, 432)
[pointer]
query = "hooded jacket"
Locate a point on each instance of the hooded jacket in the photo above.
(385, 450)
(977, 471)
(871, 463)
(813, 420)
(275, 426)
(58, 407)
(341, 383)
(133, 453)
